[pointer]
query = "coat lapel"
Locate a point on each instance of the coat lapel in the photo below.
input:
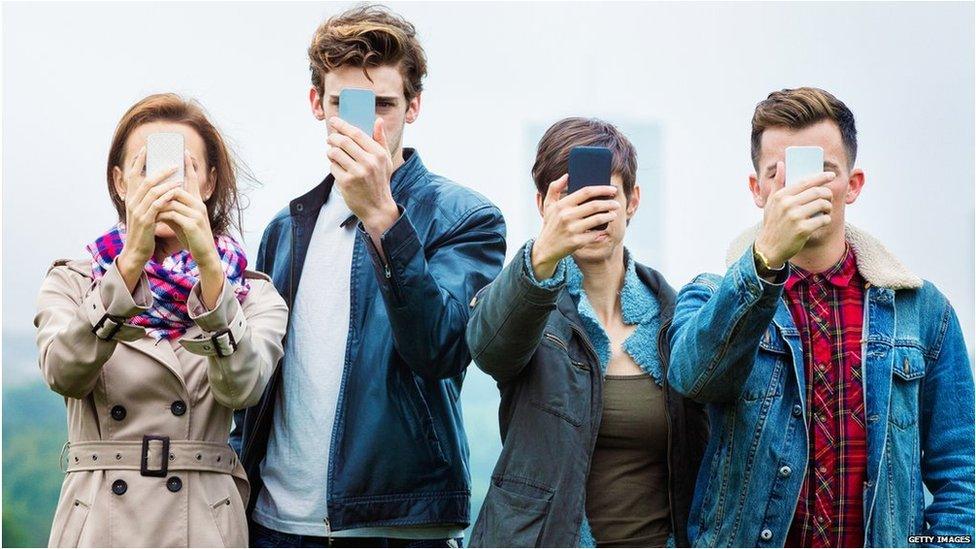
(162, 352)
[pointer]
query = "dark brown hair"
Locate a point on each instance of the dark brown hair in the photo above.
(800, 108)
(223, 206)
(552, 156)
(368, 36)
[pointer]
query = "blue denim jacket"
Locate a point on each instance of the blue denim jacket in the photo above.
(735, 347)
(399, 454)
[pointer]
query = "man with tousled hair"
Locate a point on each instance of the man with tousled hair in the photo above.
(837, 382)
(359, 440)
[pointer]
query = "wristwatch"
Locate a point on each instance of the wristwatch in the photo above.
(762, 265)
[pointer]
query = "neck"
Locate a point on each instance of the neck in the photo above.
(602, 281)
(398, 158)
(166, 247)
(817, 257)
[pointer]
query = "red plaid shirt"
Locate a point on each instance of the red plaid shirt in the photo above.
(828, 309)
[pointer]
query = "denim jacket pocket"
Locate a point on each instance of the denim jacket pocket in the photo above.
(908, 375)
(768, 371)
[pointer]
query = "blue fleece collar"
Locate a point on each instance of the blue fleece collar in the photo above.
(638, 306)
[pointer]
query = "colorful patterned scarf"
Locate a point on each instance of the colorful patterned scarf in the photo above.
(170, 281)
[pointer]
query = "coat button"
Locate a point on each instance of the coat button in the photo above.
(785, 471)
(119, 487)
(766, 534)
(178, 408)
(797, 410)
(174, 484)
(118, 412)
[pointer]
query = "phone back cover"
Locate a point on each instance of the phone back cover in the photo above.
(589, 166)
(358, 107)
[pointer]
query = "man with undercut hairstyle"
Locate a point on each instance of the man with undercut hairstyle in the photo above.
(837, 381)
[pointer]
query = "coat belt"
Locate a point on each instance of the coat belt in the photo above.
(184, 455)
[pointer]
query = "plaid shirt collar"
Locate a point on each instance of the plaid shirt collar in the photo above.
(839, 275)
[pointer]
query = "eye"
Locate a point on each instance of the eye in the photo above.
(384, 104)
(334, 101)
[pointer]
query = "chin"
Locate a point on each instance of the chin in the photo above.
(596, 252)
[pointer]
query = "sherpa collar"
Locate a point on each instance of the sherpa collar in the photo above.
(877, 265)
(638, 305)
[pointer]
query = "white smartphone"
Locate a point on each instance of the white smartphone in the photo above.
(164, 150)
(803, 162)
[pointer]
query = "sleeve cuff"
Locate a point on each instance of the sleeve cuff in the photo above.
(224, 325)
(755, 285)
(110, 304)
(558, 277)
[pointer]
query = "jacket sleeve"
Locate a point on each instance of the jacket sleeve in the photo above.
(248, 337)
(426, 291)
(947, 435)
(77, 330)
(509, 316)
(717, 326)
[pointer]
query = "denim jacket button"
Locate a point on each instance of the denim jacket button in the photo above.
(766, 534)
(785, 471)
(797, 410)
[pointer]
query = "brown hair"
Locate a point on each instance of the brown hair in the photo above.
(799, 108)
(368, 36)
(223, 206)
(552, 156)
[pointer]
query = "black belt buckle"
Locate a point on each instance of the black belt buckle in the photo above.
(144, 467)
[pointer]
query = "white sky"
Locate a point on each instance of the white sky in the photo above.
(496, 71)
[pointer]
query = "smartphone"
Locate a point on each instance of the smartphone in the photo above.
(589, 166)
(358, 107)
(803, 162)
(164, 150)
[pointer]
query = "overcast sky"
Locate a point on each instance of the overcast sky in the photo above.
(686, 75)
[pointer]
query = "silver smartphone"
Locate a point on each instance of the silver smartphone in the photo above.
(803, 162)
(164, 150)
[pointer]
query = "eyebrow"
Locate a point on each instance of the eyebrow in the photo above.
(390, 98)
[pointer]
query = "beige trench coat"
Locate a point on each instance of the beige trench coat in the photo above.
(184, 487)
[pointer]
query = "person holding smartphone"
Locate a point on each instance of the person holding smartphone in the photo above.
(358, 439)
(840, 379)
(596, 448)
(154, 340)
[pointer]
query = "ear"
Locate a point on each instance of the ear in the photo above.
(211, 184)
(633, 202)
(315, 100)
(854, 185)
(413, 109)
(118, 182)
(756, 190)
(539, 200)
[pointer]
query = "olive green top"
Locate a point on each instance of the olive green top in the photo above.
(627, 488)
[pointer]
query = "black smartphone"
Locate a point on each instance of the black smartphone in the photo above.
(589, 166)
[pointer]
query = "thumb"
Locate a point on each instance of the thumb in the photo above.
(779, 179)
(556, 188)
(379, 134)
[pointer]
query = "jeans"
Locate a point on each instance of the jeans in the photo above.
(266, 537)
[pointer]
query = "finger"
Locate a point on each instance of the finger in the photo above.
(556, 189)
(779, 178)
(379, 134)
(139, 160)
(339, 173)
(592, 221)
(816, 207)
(349, 146)
(340, 157)
(185, 223)
(190, 173)
(811, 182)
(816, 222)
(352, 132)
(592, 191)
(182, 202)
(153, 208)
(815, 193)
(148, 185)
(154, 194)
(593, 207)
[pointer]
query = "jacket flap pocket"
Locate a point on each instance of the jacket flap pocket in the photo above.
(908, 364)
(511, 518)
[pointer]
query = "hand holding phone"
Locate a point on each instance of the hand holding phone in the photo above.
(358, 107)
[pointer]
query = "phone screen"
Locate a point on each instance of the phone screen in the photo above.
(358, 107)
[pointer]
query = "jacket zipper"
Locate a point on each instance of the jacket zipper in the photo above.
(556, 340)
(589, 456)
(667, 414)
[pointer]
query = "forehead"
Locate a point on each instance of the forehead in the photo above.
(824, 134)
(191, 138)
(386, 80)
